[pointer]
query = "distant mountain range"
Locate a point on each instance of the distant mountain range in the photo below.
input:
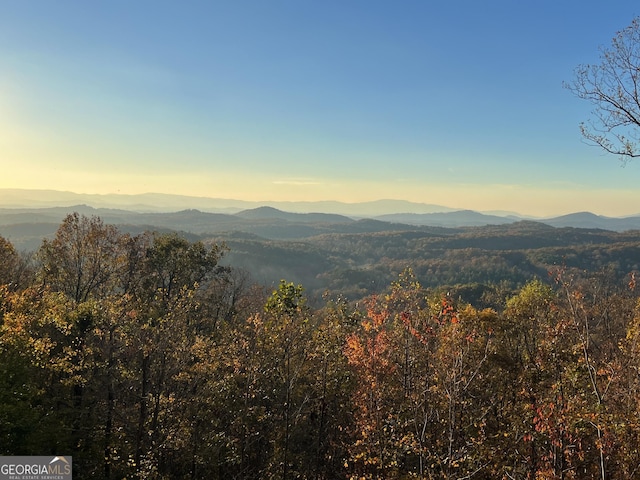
(468, 218)
(159, 202)
(26, 216)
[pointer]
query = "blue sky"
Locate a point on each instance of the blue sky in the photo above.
(457, 103)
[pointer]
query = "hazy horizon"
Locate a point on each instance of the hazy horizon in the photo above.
(157, 201)
(457, 104)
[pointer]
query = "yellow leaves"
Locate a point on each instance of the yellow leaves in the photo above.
(354, 349)
(41, 346)
(367, 326)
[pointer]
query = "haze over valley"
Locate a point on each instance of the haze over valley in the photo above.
(354, 253)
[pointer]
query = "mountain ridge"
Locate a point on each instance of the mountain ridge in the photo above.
(267, 221)
(161, 202)
(15, 198)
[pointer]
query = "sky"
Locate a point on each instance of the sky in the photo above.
(455, 103)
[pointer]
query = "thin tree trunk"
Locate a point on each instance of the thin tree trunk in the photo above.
(142, 412)
(108, 429)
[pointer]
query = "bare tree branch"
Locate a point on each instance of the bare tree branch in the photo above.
(612, 86)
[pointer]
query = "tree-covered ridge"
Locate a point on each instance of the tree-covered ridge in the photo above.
(357, 265)
(144, 357)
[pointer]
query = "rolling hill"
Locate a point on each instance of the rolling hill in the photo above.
(359, 256)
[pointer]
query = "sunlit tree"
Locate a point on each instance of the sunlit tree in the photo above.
(613, 88)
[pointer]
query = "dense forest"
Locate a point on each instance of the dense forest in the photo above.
(152, 356)
(356, 265)
(357, 258)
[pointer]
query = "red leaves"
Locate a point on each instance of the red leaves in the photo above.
(422, 337)
(447, 312)
(369, 353)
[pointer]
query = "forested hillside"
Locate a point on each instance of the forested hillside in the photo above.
(357, 258)
(357, 265)
(499, 352)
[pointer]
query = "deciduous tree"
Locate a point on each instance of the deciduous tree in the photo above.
(613, 88)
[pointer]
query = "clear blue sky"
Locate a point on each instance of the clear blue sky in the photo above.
(457, 103)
